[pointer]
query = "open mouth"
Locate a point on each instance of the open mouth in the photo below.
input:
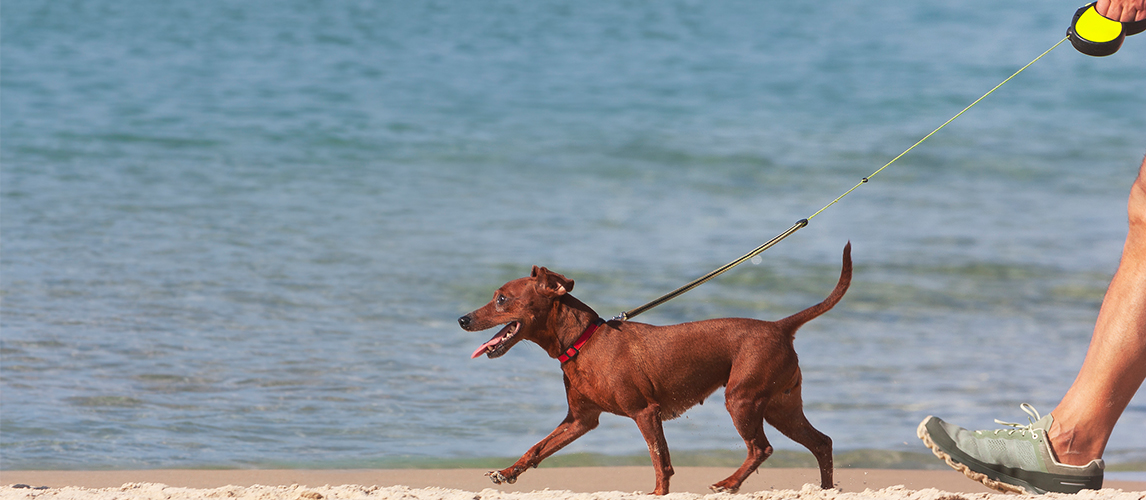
(500, 343)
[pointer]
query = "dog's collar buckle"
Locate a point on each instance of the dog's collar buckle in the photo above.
(575, 349)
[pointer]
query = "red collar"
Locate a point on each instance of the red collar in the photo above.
(575, 349)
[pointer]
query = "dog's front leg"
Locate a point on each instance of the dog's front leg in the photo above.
(574, 426)
(649, 421)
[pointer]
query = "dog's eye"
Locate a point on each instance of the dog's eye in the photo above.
(501, 300)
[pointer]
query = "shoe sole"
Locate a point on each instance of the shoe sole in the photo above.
(972, 475)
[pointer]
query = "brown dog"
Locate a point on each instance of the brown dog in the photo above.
(655, 373)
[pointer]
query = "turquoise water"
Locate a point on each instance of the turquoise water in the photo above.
(239, 234)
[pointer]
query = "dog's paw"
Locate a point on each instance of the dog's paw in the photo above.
(497, 477)
(717, 488)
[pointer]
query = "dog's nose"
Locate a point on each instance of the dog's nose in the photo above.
(464, 321)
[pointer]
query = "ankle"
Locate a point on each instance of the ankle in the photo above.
(1070, 446)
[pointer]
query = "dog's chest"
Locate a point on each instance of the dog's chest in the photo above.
(625, 389)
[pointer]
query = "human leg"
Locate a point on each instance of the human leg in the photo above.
(1062, 452)
(1115, 363)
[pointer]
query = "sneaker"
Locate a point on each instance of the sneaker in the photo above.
(1009, 460)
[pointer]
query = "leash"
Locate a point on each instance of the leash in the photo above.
(802, 223)
(1089, 33)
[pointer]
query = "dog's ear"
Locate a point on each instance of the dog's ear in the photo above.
(550, 282)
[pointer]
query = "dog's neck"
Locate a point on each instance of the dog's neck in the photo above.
(567, 320)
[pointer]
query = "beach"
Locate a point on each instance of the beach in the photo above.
(237, 236)
(573, 483)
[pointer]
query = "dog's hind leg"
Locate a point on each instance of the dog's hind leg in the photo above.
(748, 416)
(786, 413)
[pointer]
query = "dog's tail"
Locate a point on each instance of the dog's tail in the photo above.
(791, 323)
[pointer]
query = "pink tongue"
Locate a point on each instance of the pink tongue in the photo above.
(488, 346)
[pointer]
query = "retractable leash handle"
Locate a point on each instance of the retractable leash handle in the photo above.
(1095, 35)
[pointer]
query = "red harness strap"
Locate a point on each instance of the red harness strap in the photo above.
(572, 352)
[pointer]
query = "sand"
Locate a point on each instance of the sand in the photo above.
(572, 483)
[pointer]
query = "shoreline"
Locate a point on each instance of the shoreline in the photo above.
(538, 483)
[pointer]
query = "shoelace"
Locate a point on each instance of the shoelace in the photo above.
(1033, 416)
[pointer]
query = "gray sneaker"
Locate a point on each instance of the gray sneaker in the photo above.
(1009, 460)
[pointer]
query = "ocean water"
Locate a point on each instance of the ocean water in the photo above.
(238, 234)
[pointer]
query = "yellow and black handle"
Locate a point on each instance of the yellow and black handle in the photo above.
(1095, 35)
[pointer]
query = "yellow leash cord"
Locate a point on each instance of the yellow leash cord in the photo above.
(928, 136)
(800, 224)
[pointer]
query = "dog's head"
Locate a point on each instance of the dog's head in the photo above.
(522, 305)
